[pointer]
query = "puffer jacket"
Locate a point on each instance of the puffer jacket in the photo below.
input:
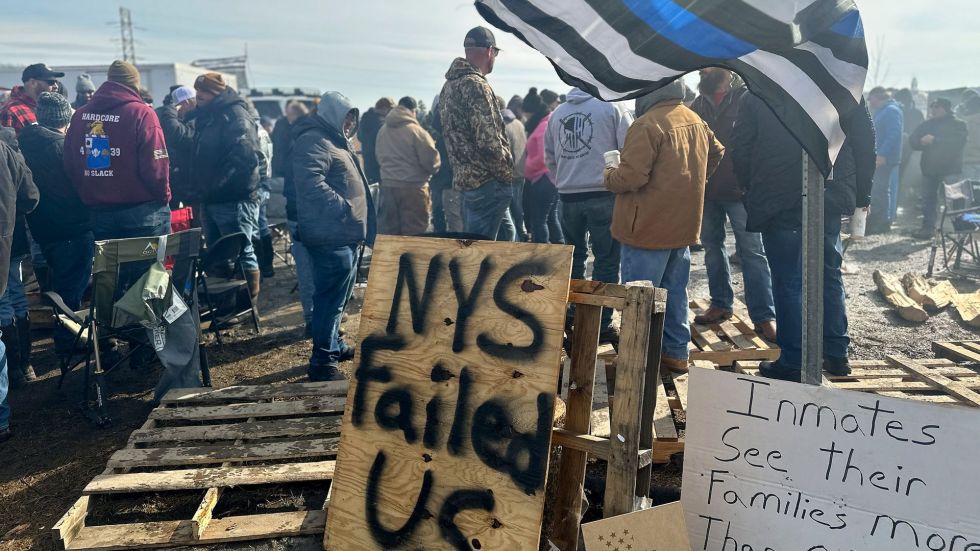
(333, 201)
(18, 197)
(473, 129)
(406, 152)
(225, 160)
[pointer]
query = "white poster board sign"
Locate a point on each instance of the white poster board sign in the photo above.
(779, 466)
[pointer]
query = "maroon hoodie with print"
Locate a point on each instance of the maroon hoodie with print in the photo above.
(115, 152)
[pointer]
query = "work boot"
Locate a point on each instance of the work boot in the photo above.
(713, 315)
(324, 373)
(267, 258)
(346, 352)
(774, 370)
(254, 281)
(837, 366)
(24, 340)
(675, 365)
(11, 342)
(767, 329)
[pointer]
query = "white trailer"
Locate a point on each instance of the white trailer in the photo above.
(155, 77)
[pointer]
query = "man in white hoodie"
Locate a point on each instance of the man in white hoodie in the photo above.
(580, 131)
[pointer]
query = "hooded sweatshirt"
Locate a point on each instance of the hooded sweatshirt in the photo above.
(473, 129)
(580, 131)
(333, 202)
(115, 152)
(406, 152)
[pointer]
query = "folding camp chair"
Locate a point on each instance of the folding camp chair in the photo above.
(220, 284)
(118, 265)
(959, 226)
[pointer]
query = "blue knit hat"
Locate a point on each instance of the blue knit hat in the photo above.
(53, 110)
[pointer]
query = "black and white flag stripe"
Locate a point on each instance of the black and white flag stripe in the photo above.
(807, 59)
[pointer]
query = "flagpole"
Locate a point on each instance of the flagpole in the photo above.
(813, 265)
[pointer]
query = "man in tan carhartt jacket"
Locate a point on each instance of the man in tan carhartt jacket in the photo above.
(408, 158)
(668, 156)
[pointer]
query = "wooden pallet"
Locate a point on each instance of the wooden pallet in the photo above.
(209, 441)
(960, 351)
(938, 381)
(729, 341)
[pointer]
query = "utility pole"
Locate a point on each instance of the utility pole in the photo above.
(126, 30)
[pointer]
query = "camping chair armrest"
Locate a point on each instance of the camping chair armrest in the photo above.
(55, 300)
(962, 211)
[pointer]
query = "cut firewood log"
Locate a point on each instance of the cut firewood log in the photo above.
(968, 305)
(930, 297)
(891, 288)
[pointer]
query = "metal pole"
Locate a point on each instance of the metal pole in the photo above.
(813, 236)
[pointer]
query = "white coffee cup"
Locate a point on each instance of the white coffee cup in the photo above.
(859, 223)
(612, 159)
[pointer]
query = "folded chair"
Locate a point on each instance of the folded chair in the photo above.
(222, 281)
(118, 265)
(959, 227)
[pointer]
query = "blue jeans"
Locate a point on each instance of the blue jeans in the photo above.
(668, 269)
(586, 224)
(221, 219)
(884, 193)
(748, 245)
(142, 220)
(542, 213)
(304, 273)
(785, 251)
(13, 303)
(334, 273)
(517, 212)
(4, 387)
(70, 263)
(263, 221)
(485, 207)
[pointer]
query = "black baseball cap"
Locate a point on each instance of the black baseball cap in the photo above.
(39, 71)
(479, 37)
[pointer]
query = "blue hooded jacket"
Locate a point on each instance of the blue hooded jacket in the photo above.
(889, 124)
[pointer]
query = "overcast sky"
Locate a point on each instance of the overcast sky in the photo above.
(370, 48)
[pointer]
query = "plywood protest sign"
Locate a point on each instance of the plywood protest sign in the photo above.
(447, 429)
(657, 529)
(786, 467)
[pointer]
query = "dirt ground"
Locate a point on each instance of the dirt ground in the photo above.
(56, 451)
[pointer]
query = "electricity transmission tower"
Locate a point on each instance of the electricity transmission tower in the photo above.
(126, 30)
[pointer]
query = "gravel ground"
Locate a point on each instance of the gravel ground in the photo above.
(56, 452)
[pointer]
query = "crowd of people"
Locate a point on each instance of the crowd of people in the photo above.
(636, 189)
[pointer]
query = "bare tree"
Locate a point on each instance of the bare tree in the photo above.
(879, 67)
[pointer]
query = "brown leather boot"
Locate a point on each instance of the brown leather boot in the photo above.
(713, 315)
(254, 281)
(767, 329)
(674, 364)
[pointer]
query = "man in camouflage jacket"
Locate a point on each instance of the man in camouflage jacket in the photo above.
(474, 132)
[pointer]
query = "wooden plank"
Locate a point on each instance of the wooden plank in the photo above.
(736, 336)
(203, 478)
(202, 517)
(649, 397)
(596, 300)
(664, 451)
(175, 533)
(595, 446)
(610, 290)
(710, 336)
(66, 529)
(477, 325)
(956, 351)
(244, 411)
(943, 384)
(567, 503)
(202, 455)
(891, 288)
(278, 428)
(255, 393)
(631, 374)
(729, 357)
(663, 417)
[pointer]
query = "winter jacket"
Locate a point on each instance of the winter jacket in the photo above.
(60, 215)
(179, 135)
(536, 168)
(406, 152)
(18, 111)
(333, 201)
(722, 186)
(971, 116)
(18, 196)
(282, 142)
(889, 124)
(225, 159)
(367, 133)
(473, 129)
(442, 180)
(945, 156)
(115, 152)
(850, 184)
(517, 138)
(580, 132)
(659, 185)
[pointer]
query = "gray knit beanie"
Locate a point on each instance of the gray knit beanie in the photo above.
(84, 84)
(53, 110)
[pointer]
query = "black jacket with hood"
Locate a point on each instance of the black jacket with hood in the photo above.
(18, 196)
(225, 165)
(333, 202)
(180, 145)
(945, 156)
(60, 215)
